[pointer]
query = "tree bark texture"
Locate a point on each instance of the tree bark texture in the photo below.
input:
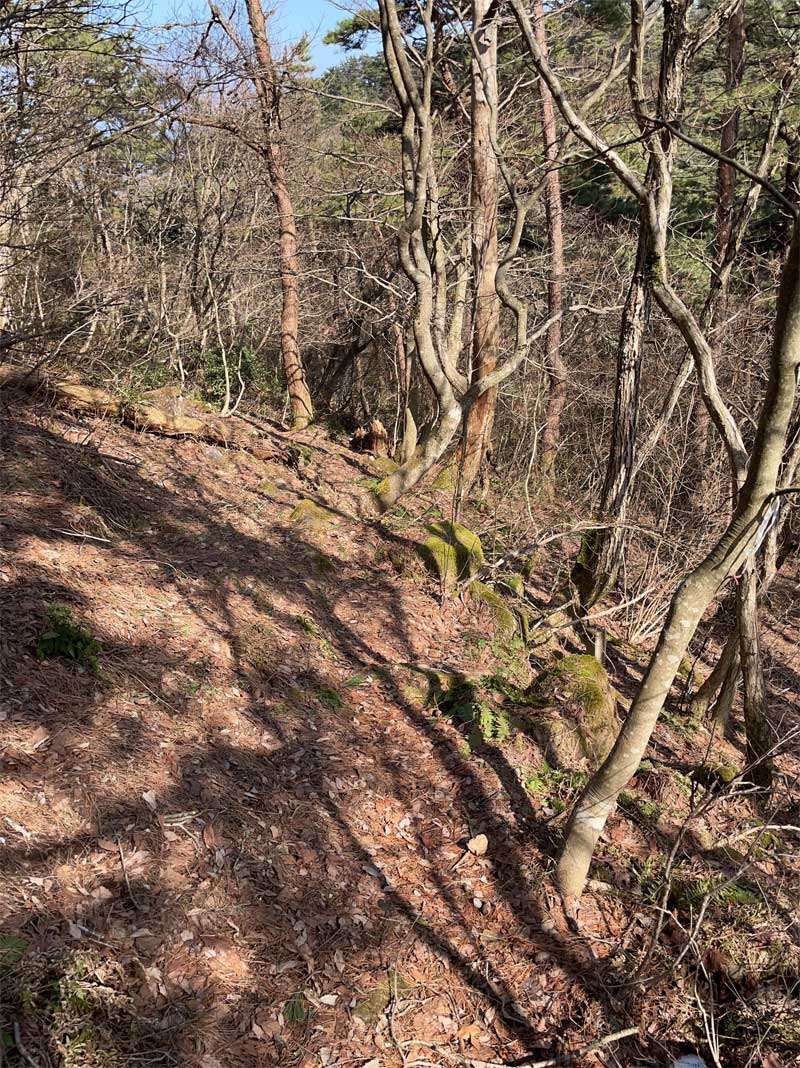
(483, 206)
(269, 98)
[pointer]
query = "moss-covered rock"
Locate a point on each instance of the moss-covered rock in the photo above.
(370, 1008)
(578, 717)
(714, 776)
(452, 552)
(309, 514)
(445, 479)
(504, 618)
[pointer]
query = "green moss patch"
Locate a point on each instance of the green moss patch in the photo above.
(372, 1007)
(445, 479)
(311, 515)
(504, 618)
(452, 552)
(578, 718)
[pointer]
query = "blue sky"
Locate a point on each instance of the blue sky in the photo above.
(292, 18)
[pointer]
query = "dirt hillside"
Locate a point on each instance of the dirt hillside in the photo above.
(244, 837)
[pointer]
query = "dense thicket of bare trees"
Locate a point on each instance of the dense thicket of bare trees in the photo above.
(576, 289)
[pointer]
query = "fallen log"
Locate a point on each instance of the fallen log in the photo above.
(141, 415)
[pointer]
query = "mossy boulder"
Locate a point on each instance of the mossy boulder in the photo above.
(445, 479)
(504, 618)
(452, 552)
(578, 718)
(714, 776)
(309, 514)
(383, 464)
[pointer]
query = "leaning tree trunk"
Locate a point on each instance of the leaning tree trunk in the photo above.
(269, 97)
(599, 799)
(554, 215)
(483, 195)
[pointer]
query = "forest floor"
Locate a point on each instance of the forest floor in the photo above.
(243, 839)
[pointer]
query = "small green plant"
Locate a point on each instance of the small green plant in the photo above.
(297, 1009)
(242, 364)
(467, 703)
(556, 788)
(642, 810)
(332, 698)
(65, 636)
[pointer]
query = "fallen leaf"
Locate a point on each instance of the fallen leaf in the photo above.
(468, 1032)
(149, 798)
(478, 845)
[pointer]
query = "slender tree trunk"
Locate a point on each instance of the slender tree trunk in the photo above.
(483, 194)
(695, 479)
(723, 706)
(756, 722)
(597, 566)
(729, 660)
(598, 801)
(556, 368)
(269, 96)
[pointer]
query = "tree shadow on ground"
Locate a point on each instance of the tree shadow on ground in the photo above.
(247, 870)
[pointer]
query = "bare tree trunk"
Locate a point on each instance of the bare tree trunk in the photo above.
(597, 566)
(694, 480)
(483, 196)
(729, 659)
(756, 723)
(556, 368)
(600, 556)
(723, 706)
(269, 97)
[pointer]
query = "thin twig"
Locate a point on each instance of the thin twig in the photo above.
(131, 894)
(21, 1047)
(78, 534)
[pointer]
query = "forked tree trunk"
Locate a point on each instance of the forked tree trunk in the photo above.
(599, 799)
(269, 97)
(728, 662)
(723, 706)
(483, 196)
(427, 453)
(554, 215)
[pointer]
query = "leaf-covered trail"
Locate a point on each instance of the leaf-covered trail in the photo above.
(246, 821)
(245, 840)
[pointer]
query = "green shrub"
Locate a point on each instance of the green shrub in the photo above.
(65, 636)
(250, 368)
